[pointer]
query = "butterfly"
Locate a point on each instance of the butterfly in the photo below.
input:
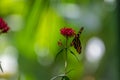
(76, 41)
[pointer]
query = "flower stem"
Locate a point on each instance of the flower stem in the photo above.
(66, 48)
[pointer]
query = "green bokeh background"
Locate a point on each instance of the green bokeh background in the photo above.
(34, 33)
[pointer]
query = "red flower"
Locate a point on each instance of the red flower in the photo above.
(3, 26)
(67, 32)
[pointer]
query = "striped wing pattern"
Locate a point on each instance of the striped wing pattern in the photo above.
(76, 41)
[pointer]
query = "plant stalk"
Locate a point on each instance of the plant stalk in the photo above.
(66, 50)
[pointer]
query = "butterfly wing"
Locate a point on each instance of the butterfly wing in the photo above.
(77, 44)
(76, 41)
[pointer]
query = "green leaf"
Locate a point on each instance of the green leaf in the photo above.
(1, 67)
(74, 55)
(59, 53)
(65, 78)
(61, 75)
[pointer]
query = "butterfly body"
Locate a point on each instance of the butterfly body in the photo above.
(76, 41)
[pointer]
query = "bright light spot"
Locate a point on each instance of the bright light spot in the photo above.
(109, 1)
(91, 21)
(44, 57)
(70, 11)
(110, 5)
(42, 52)
(9, 60)
(95, 49)
(15, 22)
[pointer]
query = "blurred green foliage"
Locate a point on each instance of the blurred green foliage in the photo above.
(35, 26)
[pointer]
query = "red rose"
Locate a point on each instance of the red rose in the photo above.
(3, 26)
(67, 32)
